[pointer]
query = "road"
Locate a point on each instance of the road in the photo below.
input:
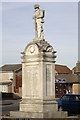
(9, 105)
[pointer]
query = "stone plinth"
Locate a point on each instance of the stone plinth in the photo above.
(42, 115)
(38, 78)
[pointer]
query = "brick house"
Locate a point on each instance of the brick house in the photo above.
(62, 69)
(65, 79)
(8, 77)
(18, 82)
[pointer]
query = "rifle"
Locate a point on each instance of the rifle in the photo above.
(35, 26)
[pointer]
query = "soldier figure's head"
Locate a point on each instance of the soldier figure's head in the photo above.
(36, 6)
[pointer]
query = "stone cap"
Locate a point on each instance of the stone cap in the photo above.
(42, 46)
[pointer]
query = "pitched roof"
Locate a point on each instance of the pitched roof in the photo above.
(10, 67)
(14, 67)
(62, 69)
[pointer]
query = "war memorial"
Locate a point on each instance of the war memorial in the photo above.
(38, 76)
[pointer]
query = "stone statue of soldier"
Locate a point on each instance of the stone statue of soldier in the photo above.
(38, 22)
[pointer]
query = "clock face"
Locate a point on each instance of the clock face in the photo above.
(32, 49)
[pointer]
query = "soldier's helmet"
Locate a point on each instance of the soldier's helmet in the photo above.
(36, 6)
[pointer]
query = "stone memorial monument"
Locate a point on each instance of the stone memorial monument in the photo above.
(38, 76)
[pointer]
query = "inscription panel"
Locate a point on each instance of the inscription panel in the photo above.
(48, 80)
(32, 81)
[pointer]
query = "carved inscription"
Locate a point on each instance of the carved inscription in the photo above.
(48, 80)
(32, 80)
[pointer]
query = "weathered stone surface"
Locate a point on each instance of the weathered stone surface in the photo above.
(38, 82)
(45, 115)
(38, 105)
(39, 46)
(38, 78)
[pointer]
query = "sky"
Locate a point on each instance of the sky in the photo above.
(60, 30)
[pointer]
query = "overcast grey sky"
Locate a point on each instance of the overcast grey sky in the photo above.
(60, 30)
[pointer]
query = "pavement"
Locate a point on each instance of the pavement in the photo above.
(13, 105)
(9, 105)
(9, 102)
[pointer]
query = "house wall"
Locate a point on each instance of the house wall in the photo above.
(76, 89)
(5, 79)
(18, 83)
(13, 82)
(9, 88)
(20, 92)
(79, 88)
(5, 76)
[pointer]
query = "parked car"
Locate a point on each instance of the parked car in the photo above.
(70, 103)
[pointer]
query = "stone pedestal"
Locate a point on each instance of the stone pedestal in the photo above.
(38, 78)
(38, 82)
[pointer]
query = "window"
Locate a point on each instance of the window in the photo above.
(77, 98)
(10, 76)
(74, 98)
(65, 98)
(2, 88)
